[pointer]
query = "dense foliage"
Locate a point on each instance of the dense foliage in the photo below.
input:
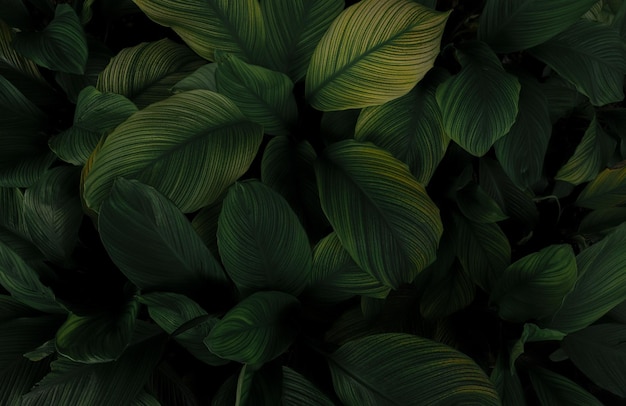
(307, 202)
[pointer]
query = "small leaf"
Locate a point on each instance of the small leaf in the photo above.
(374, 52)
(607, 190)
(256, 330)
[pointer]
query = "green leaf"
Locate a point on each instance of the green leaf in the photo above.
(338, 125)
(23, 334)
(599, 352)
(205, 225)
(235, 26)
(507, 384)
(380, 212)
(294, 28)
(535, 285)
(401, 369)
(591, 56)
(97, 338)
(299, 391)
(19, 378)
(146, 72)
(96, 114)
(61, 46)
(262, 244)
(515, 25)
(447, 292)
(554, 390)
(532, 333)
(602, 221)
(53, 214)
(562, 97)
(374, 52)
(71, 383)
(145, 399)
(12, 215)
(530, 133)
(480, 103)
(264, 96)
(601, 284)
(201, 78)
(256, 330)
(476, 205)
(410, 127)
(259, 386)
(336, 277)
(591, 156)
(482, 248)
(186, 320)
(607, 190)
(153, 243)
(190, 147)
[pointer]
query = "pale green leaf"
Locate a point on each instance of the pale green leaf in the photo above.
(374, 52)
(607, 190)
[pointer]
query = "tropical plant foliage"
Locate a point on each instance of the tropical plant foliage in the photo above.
(312, 202)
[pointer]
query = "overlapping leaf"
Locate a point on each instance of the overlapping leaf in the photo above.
(480, 103)
(234, 26)
(476, 205)
(532, 333)
(190, 147)
(201, 78)
(146, 72)
(555, 389)
(20, 378)
(293, 30)
(602, 221)
(401, 369)
(410, 127)
(261, 241)
(96, 113)
(562, 97)
(607, 190)
(380, 212)
(205, 225)
(591, 56)
(507, 384)
(515, 25)
(152, 242)
(61, 46)
(448, 290)
(299, 391)
(23, 334)
(264, 96)
(374, 52)
(256, 330)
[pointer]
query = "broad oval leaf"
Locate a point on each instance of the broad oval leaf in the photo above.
(591, 56)
(262, 244)
(513, 25)
(410, 127)
(380, 212)
(190, 147)
(480, 103)
(153, 243)
(146, 72)
(256, 330)
(294, 27)
(264, 96)
(53, 214)
(598, 351)
(234, 26)
(374, 52)
(535, 285)
(555, 389)
(607, 190)
(402, 369)
(61, 46)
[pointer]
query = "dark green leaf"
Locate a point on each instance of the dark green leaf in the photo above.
(23, 334)
(299, 391)
(555, 390)
(447, 293)
(532, 333)
(19, 378)
(608, 189)
(477, 206)
(205, 224)
(507, 384)
(201, 78)
(602, 221)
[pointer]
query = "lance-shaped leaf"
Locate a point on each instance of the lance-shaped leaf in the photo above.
(293, 30)
(534, 286)
(96, 113)
(261, 241)
(607, 190)
(599, 352)
(336, 277)
(52, 212)
(61, 46)
(256, 330)
(601, 284)
(591, 56)
(185, 320)
(555, 389)
(410, 127)
(153, 243)
(402, 369)
(530, 133)
(374, 52)
(190, 147)
(264, 96)
(515, 25)
(591, 155)
(146, 72)
(380, 212)
(480, 103)
(99, 337)
(232, 26)
(299, 391)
